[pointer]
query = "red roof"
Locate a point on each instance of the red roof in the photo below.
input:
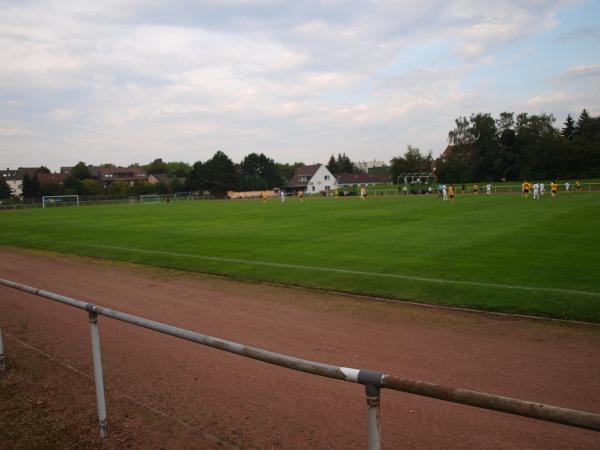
(45, 178)
(122, 173)
(303, 172)
(362, 178)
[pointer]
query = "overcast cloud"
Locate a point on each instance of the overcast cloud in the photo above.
(129, 81)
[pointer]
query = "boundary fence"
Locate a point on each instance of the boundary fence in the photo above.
(496, 189)
(118, 201)
(372, 380)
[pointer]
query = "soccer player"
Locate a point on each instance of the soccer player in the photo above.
(553, 189)
(536, 191)
(282, 196)
(451, 193)
(567, 186)
(301, 195)
(542, 188)
(263, 195)
(444, 192)
(577, 186)
(363, 193)
(488, 189)
(475, 189)
(525, 189)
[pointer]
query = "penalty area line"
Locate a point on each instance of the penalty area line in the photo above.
(323, 269)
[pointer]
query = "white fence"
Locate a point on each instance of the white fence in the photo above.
(118, 201)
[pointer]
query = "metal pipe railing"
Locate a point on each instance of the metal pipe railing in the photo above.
(373, 381)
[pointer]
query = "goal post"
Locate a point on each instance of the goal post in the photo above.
(150, 198)
(182, 195)
(60, 200)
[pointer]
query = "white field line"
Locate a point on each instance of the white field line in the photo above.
(326, 269)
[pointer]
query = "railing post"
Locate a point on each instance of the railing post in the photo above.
(97, 359)
(2, 360)
(373, 396)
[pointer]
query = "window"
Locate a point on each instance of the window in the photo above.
(326, 177)
(303, 178)
(313, 189)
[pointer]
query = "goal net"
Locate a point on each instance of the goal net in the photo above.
(150, 198)
(60, 200)
(182, 195)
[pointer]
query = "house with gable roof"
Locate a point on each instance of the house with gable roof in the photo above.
(312, 179)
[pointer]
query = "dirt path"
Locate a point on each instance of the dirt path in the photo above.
(210, 399)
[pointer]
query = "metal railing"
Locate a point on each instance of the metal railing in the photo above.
(373, 381)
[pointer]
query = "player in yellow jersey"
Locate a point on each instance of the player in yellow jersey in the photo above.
(475, 189)
(301, 195)
(263, 195)
(451, 192)
(525, 189)
(577, 186)
(363, 193)
(337, 193)
(553, 189)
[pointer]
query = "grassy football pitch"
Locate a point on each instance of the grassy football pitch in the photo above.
(499, 253)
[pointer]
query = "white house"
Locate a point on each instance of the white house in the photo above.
(14, 179)
(312, 179)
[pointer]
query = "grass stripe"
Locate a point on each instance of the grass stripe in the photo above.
(323, 269)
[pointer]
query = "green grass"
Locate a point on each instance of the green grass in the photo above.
(355, 246)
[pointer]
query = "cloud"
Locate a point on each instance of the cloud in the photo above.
(133, 80)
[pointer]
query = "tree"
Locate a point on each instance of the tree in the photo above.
(118, 187)
(42, 169)
(582, 121)
(411, 162)
(30, 187)
(259, 172)
(156, 166)
(332, 165)
(569, 129)
(72, 185)
(81, 171)
(195, 179)
(178, 169)
(51, 188)
(220, 174)
(90, 187)
(342, 164)
(286, 171)
(5, 190)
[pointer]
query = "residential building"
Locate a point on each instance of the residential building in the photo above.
(312, 179)
(362, 179)
(94, 170)
(47, 178)
(130, 175)
(14, 179)
(364, 166)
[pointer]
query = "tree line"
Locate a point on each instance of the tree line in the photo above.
(525, 146)
(217, 175)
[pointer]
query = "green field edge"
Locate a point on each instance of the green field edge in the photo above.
(477, 308)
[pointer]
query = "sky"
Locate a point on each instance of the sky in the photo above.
(129, 81)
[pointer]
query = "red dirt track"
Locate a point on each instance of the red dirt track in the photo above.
(231, 401)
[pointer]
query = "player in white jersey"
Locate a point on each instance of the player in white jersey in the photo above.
(282, 196)
(444, 192)
(488, 189)
(536, 191)
(542, 188)
(567, 186)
